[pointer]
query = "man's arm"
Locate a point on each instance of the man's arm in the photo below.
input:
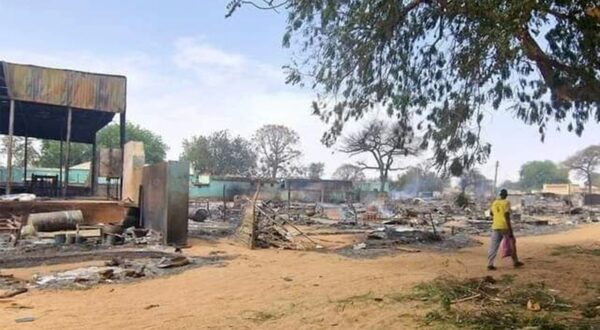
(510, 230)
(507, 217)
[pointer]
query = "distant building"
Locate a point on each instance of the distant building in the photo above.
(306, 190)
(206, 186)
(311, 190)
(371, 186)
(564, 189)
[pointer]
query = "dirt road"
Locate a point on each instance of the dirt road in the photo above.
(294, 290)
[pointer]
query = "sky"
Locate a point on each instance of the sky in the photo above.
(191, 71)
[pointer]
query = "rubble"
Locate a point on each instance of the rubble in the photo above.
(13, 292)
(120, 270)
(274, 230)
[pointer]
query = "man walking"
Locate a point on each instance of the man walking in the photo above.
(501, 229)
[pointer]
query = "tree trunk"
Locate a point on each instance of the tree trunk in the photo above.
(589, 182)
(274, 172)
(382, 182)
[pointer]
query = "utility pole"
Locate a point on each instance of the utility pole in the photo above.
(495, 179)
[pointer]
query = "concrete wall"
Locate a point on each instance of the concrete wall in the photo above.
(133, 166)
(299, 190)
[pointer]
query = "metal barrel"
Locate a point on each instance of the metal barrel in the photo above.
(55, 221)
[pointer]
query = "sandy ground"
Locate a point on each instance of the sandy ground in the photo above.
(292, 289)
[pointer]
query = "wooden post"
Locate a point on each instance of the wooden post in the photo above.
(289, 191)
(11, 122)
(224, 204)
(122, 139)
(67, 151)
(25, 161)
(92, 174)
(60, 167)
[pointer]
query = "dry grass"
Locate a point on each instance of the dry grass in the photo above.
(486, 303)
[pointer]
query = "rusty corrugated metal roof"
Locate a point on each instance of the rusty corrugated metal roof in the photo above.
(82, 90)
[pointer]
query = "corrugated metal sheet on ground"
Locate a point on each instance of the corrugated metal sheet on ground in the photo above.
(65, 87)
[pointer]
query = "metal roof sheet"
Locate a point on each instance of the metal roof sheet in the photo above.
(68, 88)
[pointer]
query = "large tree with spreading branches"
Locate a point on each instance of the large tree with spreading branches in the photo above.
(349, 172)
(585, 163)
(278, 149)
(441, 65)
(384, 142)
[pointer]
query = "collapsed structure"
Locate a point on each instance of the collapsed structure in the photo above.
(48, 219)
(61, 105)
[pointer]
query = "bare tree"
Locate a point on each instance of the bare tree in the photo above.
(349, 172)
(277, 148)
(584, 163)
(385, 142)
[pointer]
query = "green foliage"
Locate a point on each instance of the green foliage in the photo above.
(220, 154)
(484, 303)
(277, 147)
(50, 154)
(154, 146)
(437, 66)
(108, 137)
(316, 170)
(534, 174)
(33, 155)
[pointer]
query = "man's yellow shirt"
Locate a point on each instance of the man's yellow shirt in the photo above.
(499, 209)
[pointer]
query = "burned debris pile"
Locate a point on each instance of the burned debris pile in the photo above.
(275, 230)
(264, 226)
(394, 224)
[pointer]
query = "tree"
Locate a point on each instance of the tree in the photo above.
(419, 179)
(155, 148)
(277, 148)
(385, 142)
(108, 137)
(584, 163)
(315, 170)
(349, 172)
(534, 174)
(441, 63)
(220, 154)
(18, 148)
(50, 154)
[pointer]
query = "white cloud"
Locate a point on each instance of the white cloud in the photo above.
(190, 52)
(198, 88)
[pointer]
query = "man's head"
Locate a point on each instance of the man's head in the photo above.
(503, 193)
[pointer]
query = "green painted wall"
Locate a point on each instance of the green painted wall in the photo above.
(76, 176)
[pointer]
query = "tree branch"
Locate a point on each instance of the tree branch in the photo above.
(549, 68)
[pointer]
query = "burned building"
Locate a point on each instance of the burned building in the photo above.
(61, 105)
